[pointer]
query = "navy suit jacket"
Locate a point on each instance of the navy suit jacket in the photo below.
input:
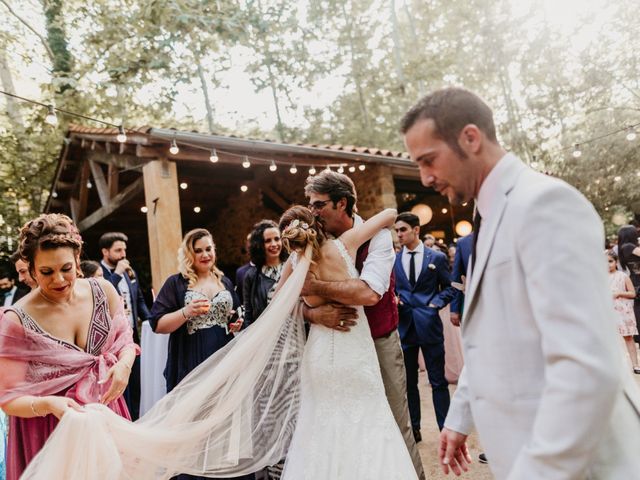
(138, 306)
(419, 323)
(460, 264)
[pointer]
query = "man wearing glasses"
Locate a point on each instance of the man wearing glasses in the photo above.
(332, 199)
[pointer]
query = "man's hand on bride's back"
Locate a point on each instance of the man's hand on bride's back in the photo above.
(332, 315)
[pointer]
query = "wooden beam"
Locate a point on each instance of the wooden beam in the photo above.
(100, 182)
(125, 162)
(275, 196)
(119, 200)
(75, 208)
(163, 218)
(83, 196)
(113, 177)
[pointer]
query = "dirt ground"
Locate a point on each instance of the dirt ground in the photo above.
(429, 446)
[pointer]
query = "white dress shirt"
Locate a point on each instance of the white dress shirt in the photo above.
(377, 268)
(8, 299)
(406, 259)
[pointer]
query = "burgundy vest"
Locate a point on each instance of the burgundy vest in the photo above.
(383, 316)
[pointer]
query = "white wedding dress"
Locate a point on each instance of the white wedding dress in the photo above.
(267, 395)
(345, 429)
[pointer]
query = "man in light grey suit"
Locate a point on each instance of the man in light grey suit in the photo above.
(544, 381)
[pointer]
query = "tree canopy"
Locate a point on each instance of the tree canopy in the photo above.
(335, 71)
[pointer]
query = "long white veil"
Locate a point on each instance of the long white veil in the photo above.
(233, 415)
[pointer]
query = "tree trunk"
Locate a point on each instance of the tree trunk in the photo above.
(13, 107)
(57, 40)
(397, 48)
(205, 92)
(356, 73)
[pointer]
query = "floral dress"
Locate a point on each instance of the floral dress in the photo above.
(623, 306)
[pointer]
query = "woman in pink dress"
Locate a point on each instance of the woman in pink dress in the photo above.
(65, 344)
(623, 295)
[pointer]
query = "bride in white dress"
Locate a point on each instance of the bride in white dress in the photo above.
(266, 396)
(345, 428)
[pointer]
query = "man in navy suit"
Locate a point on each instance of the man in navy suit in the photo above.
(117, 270)
(460, 264)
(423, 285)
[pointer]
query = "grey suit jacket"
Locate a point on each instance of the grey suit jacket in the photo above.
(545, 382)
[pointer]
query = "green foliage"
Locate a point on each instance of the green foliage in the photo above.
(125, 60)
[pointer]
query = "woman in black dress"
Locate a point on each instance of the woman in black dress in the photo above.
(196, 307)
(268, 258)
(629, 256)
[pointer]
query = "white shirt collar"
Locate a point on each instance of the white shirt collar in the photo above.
(419, 249)
(491, 184)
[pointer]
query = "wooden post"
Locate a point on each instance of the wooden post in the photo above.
(163, 218)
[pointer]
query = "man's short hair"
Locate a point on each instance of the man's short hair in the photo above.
(409, 218)
(451, 109)
(336, 185)
(429, 236)
(109, 238)
(6, 272)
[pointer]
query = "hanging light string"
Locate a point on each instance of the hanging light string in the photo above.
(174, 144)
(631, 135)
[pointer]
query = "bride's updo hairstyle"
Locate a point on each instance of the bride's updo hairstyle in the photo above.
(48, 232)
(299, 229)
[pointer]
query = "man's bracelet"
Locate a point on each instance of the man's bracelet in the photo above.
(184, 314)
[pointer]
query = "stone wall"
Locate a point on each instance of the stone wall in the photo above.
(235, 219)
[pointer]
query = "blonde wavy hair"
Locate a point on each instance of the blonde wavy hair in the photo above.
(301, 229)
(187, 256)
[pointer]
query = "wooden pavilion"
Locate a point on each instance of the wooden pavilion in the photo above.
(222, 183)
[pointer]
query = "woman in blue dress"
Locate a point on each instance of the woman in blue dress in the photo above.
(197, 308)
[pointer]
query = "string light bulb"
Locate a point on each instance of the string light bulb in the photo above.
(51, 117)
(122, 136)
(173, 149)
(89, 184)
(197, 209)
(246, 163)
(312, 171)
(631, 134)
(444, 210)
(55, 194)
(184, 185)
(273, 167)
(340, 169)
(293, 169)
(144, 209)
(352, 169)
(243, 188)
(361, 168)
(576, 151)
(213, 157)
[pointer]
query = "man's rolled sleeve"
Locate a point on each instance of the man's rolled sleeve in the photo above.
(377, 268)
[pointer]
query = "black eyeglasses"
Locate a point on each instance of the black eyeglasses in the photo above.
(319, 205)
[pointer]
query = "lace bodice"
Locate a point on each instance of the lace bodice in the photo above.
(218, 314)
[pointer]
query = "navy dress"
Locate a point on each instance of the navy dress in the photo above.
(199, 337)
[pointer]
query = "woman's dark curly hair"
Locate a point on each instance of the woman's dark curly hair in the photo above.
(257, 251)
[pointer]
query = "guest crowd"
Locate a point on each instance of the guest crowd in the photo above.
(95, 308)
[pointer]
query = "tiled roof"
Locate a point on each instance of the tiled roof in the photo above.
(80, 129)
